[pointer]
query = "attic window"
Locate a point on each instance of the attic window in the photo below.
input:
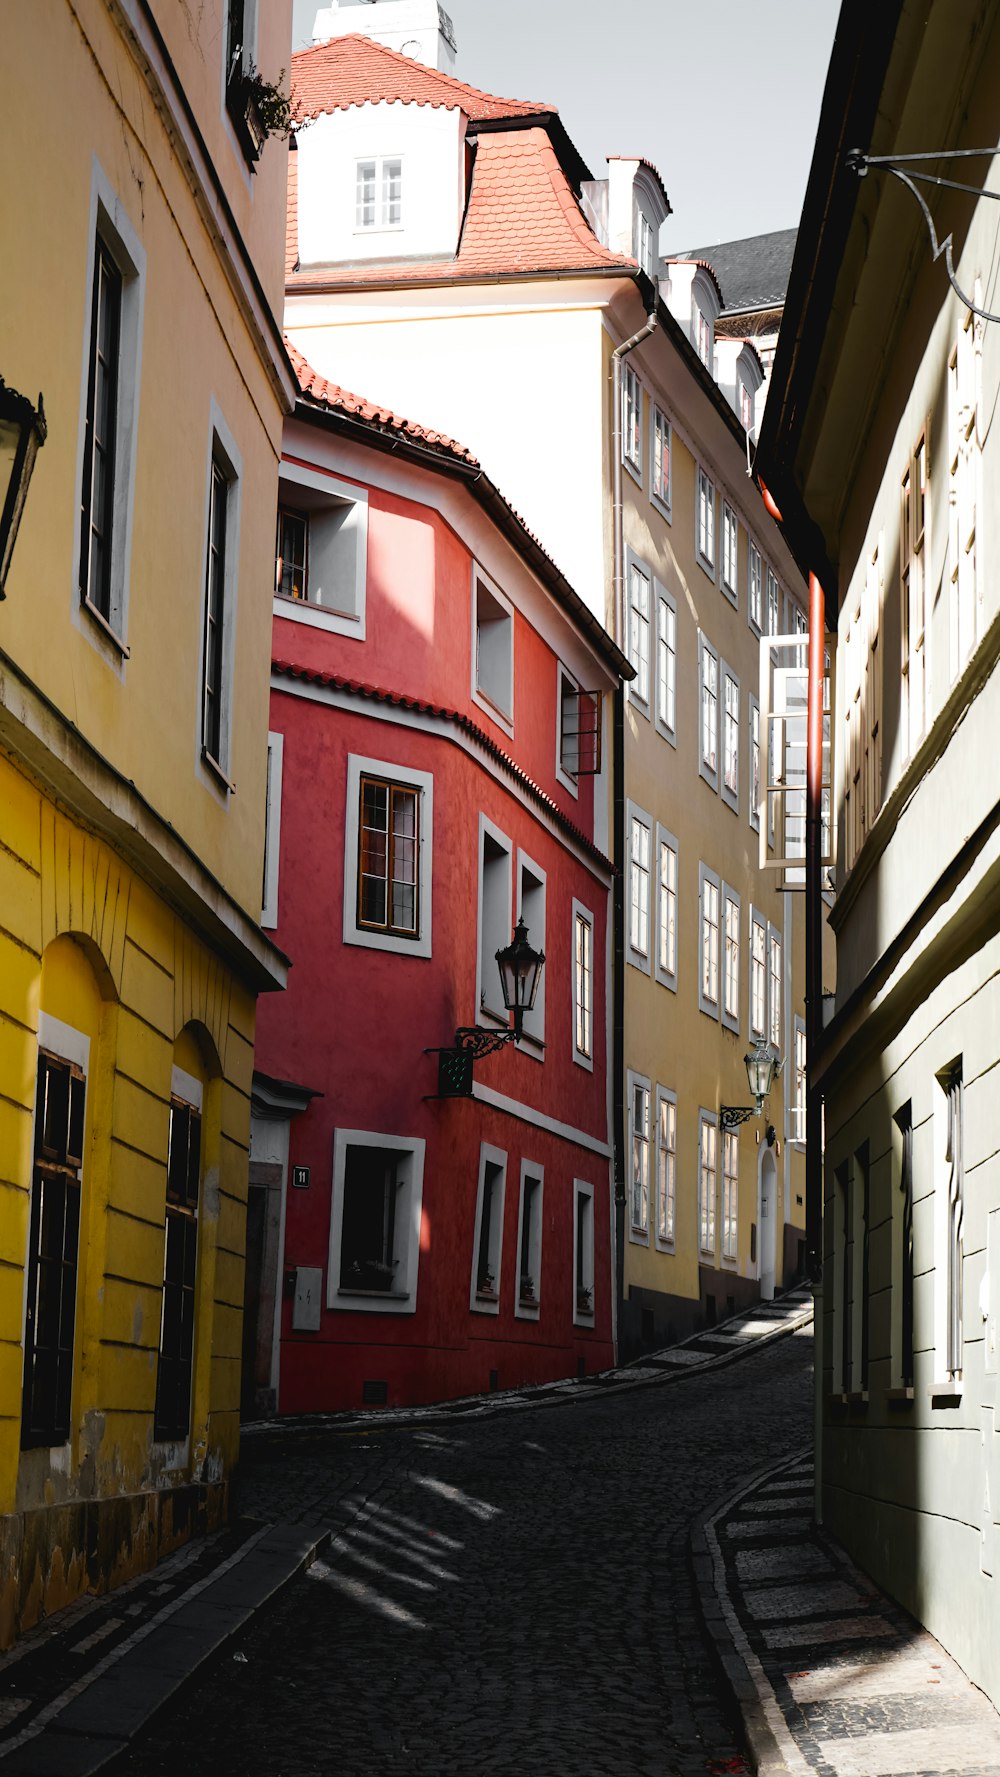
(379, 194)
(643, 242)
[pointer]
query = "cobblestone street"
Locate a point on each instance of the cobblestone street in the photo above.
(501, 1596)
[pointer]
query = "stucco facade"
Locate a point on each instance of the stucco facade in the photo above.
(132, 829)
(505, 340)
(492, 1266)
(889, 470)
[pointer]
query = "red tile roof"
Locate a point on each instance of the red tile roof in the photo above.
(522, 220)
(287, 669)
(354, 70)
(331, 395)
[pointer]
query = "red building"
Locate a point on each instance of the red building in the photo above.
(436, 772)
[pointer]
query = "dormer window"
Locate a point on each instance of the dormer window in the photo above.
(746, 407)
(379, 193)
(643, 242)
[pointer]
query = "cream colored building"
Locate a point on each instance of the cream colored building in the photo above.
(142, 242)
(879, 446)
(450, 256)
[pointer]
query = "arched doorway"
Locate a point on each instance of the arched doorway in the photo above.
(767, 1221)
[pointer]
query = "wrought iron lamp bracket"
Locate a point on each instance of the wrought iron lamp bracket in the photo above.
(890, 163)
(732, 1115)
(472, 1043)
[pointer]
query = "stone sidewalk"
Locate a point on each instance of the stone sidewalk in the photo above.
(830, 1675)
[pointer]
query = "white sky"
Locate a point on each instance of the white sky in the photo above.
(722, 95)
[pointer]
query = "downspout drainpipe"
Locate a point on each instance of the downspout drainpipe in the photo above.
(814, 1000)
(618, 836)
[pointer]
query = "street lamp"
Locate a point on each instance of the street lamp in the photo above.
(763, 1068)
(520, 972)
(22, 433)
(520, 966)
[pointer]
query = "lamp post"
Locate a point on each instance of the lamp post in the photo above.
(520, 966)
(22, 433)
(763, 1068)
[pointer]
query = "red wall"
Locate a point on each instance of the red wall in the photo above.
(355, 1022)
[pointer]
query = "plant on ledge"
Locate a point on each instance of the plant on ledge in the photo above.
(259, 108)
(527, 1288)
(584, 1300)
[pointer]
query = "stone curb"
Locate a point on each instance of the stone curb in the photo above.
(742, 1672)
(86, 1729)
(590, 1388)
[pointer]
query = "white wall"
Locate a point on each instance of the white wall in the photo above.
(521, 388)
(429, 142)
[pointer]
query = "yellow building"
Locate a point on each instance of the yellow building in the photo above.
(142, 232)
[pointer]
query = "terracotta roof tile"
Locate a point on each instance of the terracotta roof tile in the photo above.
(522, 219)
(354, 70)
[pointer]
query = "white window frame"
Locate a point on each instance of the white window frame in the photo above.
(525, 1309)
(666, 843)
(708, 1199)
(728, 729)
(638, 1232)
(272, 830)
(404, 1299)
(947, 1380)
(109, 219)
(662, 501)
(730, 971)
(321, 493)
(730, 1196)
(729, 575)
(584, 1058)
(486, 967)
(755, 587)
(639, 955)
(758, 923)
(583, 1264)
(666, 664)
(533, 1026)
(775, 1013)
(639, 688)
(504, 717)
(797, 1109)
(772, 598)
(706, 769)
(223, 454)
(380, 223)
(704, 522)
(632, 421)
(708, 879)
(479, 1301)
(359, 766)
(753, 801)
(666, 1162)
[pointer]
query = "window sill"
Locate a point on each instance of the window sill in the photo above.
(634, 469)
(107, 630)
(899, 1397)
(493, 710)
(639, 1236)
(324, 617)
(950, 1388)
(376, 1295)
(731, 593)
(487, 1296)
(215, 769)
(849, 1398)
(663, 507)
(586, 1061)
(530, 1304)
(707, 567)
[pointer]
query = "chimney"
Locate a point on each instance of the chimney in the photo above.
(417, 28)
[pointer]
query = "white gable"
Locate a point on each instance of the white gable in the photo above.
(426, 141)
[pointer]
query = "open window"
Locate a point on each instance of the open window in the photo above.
(485, 1292)
(579, 732)
(321, 550)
